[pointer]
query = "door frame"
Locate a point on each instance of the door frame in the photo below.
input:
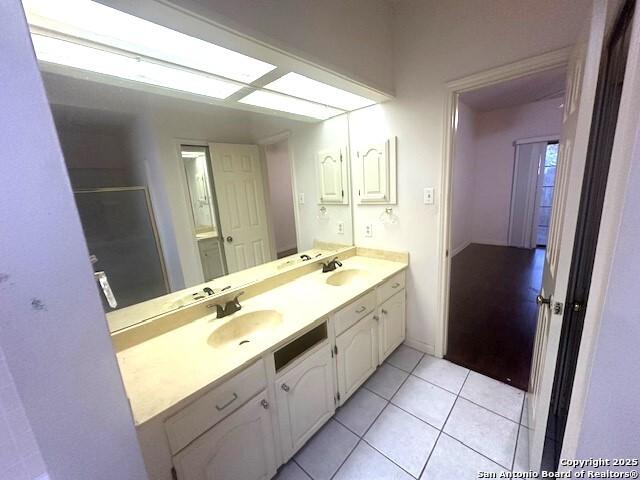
(540, 63)
(622, 156)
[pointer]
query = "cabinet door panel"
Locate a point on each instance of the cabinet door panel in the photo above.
(357, 355)
(305, 399)
(239, 447)
(392, 324)
(330, 176)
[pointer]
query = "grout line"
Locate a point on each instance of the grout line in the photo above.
(300, 467)
(515, 451)
(346, 458)
(391, 460)
(489, 410)
(474, 450)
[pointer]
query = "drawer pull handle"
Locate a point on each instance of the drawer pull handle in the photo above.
(384, 312)
(264, 404)
(361, 309)
(235, 397)
(395, 285)
(285, 387)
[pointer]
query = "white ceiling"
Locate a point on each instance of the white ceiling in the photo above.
(532, 88)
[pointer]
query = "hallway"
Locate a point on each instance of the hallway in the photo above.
(492, 310)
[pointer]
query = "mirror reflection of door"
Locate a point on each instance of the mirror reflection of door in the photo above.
(203, 210)
(239, 183)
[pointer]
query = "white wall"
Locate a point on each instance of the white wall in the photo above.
(281, 195)
(52, 327)
(306, 141)
(494, 137)
(463, 179)
(20, 457)
(435, 42)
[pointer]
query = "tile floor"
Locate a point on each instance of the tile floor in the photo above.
(418, 417)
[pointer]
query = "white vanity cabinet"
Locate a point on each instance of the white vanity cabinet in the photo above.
(391, 316)
(391, 313)
(356, 355)
(305, 398)
(239, 447)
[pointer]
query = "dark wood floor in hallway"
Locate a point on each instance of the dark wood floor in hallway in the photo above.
(492, 310)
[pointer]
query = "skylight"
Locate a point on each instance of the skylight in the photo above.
(284, 103)
(304, 87)
(62, 52)
(98, 23)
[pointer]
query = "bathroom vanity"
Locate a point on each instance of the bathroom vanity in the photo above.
(236, 397)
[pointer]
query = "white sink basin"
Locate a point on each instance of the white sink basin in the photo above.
(243, 328)
(345, 277)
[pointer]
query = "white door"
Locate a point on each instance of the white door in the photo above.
(392, 324)
(357, 355)
(239, 184)
(578, 110)
(305, 396)
(332, 178)
(239, 447)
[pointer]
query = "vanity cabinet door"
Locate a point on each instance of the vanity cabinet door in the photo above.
(392, 324)
(305, 397)
(357, 355)
(239, 447)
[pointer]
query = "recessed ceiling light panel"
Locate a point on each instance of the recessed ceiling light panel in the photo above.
(98, 23)
(304, 87)
(62, 52)
(284, 103)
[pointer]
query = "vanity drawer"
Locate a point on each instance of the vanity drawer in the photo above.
(199, 416)
(390, 287)
(353, 312)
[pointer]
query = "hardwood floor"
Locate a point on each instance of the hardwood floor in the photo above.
(492, 310)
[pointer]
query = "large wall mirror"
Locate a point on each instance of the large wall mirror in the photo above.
(180, 198)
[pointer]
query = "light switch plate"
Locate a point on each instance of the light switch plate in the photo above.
(368, 230)
(301, 198)
(340, 228)
(428, 196)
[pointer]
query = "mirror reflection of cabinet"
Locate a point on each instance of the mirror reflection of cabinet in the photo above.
(333, 176)
(376, 167)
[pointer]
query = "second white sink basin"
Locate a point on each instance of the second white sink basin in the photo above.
(345, 277)
(244, 328)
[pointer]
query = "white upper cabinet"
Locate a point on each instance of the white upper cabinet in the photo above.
(376, 172)
(333, 176)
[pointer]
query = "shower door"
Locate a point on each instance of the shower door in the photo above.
(120, 232)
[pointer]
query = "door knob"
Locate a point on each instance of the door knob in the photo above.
(540, 300)
(285, 387)
(229, 239)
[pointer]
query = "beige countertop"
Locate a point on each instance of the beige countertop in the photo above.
(170, 368)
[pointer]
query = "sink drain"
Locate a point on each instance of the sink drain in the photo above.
(244, 341)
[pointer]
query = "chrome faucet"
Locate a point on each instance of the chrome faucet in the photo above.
(229, 308)
(331, 265)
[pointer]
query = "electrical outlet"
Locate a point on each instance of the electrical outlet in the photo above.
(368, 230)
(301, 198)
(340, 228)
(428, 196)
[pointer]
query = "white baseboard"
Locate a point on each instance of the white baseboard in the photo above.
(420, 346)
(489, 241)
(460, 248)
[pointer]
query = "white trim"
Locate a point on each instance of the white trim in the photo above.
(544, 138)
(277, 138)
(539, 63)
(626, 140)
(420, 346)
(460, 248)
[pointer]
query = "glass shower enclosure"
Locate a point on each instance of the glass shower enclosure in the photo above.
(123, 241)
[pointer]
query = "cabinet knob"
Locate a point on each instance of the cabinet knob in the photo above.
(376, 318)
(285, 387)
(384, 312)
(264, 404)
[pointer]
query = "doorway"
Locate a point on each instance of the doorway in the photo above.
(503, 175)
